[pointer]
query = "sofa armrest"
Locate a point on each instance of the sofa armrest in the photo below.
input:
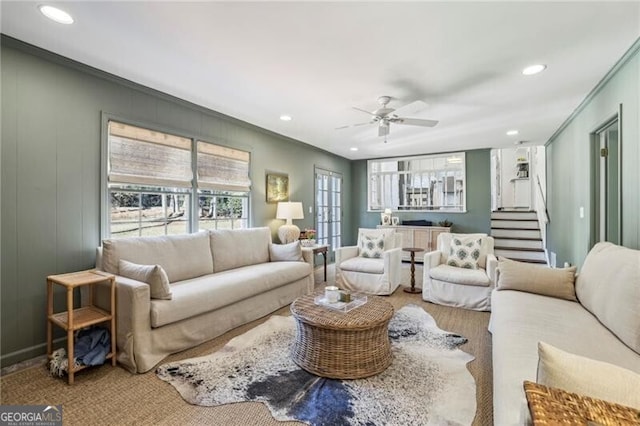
(492, 266)
(309, 257)
(393, 264)
(431, 259)
(344, 253)
(133, 314)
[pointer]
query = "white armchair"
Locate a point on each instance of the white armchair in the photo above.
(455, 286)
(370, 275)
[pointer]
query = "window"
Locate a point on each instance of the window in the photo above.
(224, 185)
(157, 186)
(424, 183)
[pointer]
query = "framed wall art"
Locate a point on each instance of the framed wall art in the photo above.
(277, 187)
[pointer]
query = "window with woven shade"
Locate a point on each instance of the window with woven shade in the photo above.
(146, 157)
(222, 169)
(157, 185)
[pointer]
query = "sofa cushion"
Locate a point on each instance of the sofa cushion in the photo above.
(371, 246)
(233, 248)
(363, 264)
(589, 377)
(181, 256)
(153, 275)
(455, 275)
(519, 321)
(291, 252)
(609, 287)
(199, 295)
(464, 253)
(537, 279)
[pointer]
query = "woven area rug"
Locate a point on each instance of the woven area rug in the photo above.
(427, 383)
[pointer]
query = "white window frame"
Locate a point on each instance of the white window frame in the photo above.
(438, 187)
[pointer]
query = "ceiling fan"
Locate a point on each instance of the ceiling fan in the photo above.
(384, 116)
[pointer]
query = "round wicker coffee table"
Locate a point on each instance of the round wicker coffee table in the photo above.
(342, 345)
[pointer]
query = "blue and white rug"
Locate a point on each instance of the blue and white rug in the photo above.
(427, 383)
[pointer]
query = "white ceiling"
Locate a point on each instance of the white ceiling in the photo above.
(315, 60)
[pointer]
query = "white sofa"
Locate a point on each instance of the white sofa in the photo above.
(459, 287)
(219, 280)
(379, 276)
(603, 324)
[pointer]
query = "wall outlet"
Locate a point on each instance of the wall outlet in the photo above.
(581, 212)
(552, 259)
(310, 209)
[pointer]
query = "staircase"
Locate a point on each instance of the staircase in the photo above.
(516, 234)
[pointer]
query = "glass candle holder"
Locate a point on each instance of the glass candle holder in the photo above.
(331, 294)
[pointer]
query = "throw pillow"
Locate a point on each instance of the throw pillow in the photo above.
(372, 247)
(589, 377)
(291, 252)
(388, 233)
(538, 279)
(153, 275)
(464, 254)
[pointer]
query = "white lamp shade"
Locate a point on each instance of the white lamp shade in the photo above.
(289, 210)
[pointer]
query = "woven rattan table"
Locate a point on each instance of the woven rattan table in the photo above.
(550, 406)
(342, 345)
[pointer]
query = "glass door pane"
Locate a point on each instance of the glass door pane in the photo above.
(329, 208)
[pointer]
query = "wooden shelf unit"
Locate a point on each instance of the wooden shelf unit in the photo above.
(72, 319)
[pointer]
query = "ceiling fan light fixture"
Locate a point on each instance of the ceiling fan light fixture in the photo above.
(55, 14)
(534, 69)
(353, 148)
(285, 117)
(512, 132)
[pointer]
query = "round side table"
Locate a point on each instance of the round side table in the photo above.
(413, 251)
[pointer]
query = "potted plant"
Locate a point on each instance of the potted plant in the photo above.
(309, 239)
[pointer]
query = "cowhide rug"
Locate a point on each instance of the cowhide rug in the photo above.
(426, 384)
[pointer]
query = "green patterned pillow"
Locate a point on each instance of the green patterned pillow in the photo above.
(372, 247)
(464, 254)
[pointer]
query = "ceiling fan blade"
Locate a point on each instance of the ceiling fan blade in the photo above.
(411, 108)
(362, 110)
(414, 121)
(354, 125)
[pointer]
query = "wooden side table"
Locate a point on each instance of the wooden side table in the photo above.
(320, 249)
(75, 319)
(413, 289)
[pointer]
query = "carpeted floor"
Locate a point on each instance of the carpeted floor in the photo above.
(107, 395)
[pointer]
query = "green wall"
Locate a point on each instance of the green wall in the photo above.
(50, 173)
(569, 164)
(476, 219)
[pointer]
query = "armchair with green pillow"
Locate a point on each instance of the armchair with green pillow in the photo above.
(461, 272)
(372, 266)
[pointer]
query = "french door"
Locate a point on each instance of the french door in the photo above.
(328, 208)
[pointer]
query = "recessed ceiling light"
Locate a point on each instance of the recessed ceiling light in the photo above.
(55, 14)
(512, 132)
(534, 69)
(353, 149)
(285, 117)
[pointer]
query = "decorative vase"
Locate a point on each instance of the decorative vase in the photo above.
(310, 242)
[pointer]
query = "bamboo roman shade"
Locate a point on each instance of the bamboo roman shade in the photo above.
(146, 157)
(223, 169)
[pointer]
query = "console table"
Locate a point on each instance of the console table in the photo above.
(424, 237)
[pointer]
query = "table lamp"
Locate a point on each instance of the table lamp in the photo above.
(289, 210)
